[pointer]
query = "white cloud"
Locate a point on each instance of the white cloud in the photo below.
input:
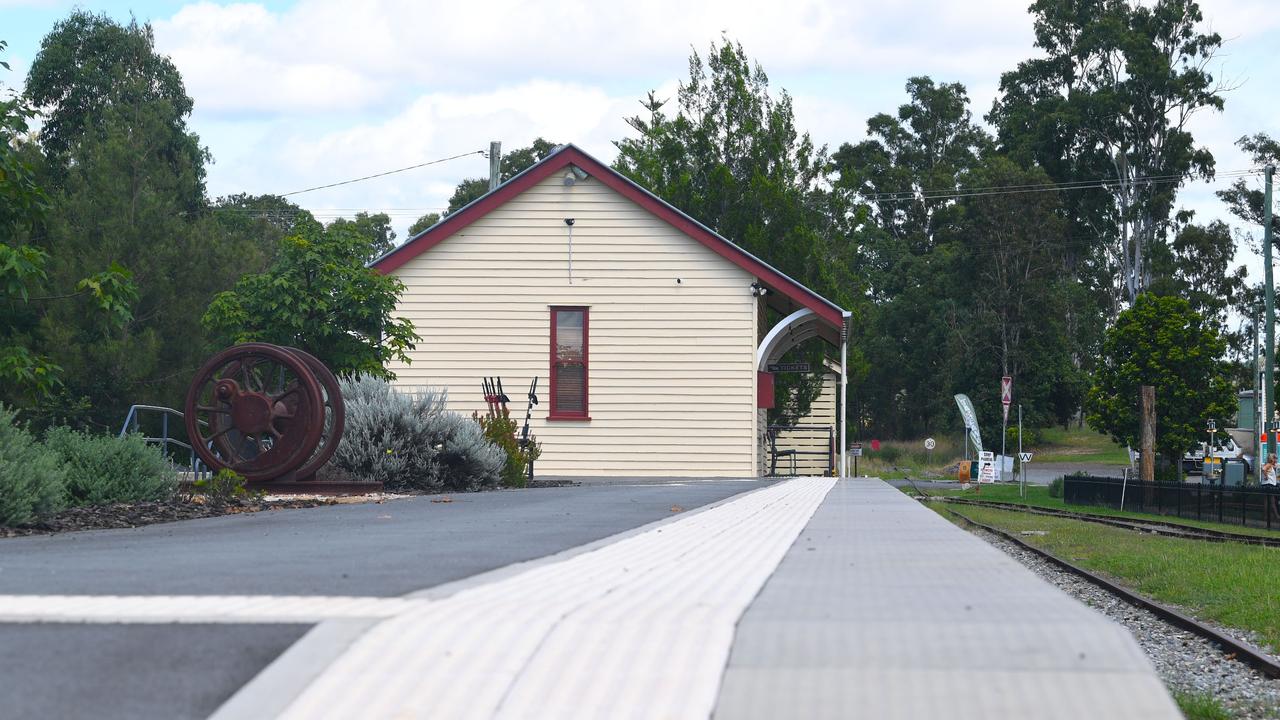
(327, 90)
(323, 54)
(284, 158)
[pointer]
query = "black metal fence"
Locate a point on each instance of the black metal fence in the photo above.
(1251, 506)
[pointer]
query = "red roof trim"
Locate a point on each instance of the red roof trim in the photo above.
(616, 181)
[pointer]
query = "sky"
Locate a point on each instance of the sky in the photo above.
(294, 94)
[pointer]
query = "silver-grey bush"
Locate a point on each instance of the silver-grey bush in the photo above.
(412, 442)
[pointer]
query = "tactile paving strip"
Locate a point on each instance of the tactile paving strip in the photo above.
(640, 628)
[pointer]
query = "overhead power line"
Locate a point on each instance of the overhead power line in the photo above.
(384, 174)
(1044, 187)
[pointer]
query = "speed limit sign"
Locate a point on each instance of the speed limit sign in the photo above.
(929, 444)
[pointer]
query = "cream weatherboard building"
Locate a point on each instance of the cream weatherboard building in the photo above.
(641, 325)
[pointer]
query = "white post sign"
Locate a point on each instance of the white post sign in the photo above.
(987, 472)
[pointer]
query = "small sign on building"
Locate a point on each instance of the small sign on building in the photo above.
(802, 367)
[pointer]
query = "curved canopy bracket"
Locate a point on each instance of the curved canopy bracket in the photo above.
(788, 333)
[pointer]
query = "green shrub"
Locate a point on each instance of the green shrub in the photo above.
(105, 469)
(31, 477)
(465, 459)
(385, 438)
(408, 442)
(503, 431)
(225, 485)
(1031, 437)
(1055, 487)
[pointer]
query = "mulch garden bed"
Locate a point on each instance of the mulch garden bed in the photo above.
(131, 515)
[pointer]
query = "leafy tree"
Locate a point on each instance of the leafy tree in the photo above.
(512, 164)
(376, 227)
(89, 64)
(423, 223)
(908, 169)
(26, 293)
(255, 224)
(1161, 341)
(908, 172)
(1197, 266)
(1112, 100)
(731, 157)
(320, 296)
(1011, 297)
(1243, 199)
(122, 199)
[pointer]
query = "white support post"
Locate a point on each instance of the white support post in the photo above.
(844, 392)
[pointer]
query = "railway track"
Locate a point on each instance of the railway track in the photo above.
(1155, 527)
(1234, 648)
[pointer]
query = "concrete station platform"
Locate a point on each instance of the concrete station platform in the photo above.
(807, 598)
(884, 609)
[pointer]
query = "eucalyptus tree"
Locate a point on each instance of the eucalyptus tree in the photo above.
(89, 65)
(1244, 196)
(726, 151)
(1109, 108)
(906, 176)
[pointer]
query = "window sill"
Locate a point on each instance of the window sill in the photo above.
(568, 418)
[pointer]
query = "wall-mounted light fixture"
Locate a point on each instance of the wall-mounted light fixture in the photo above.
(573, 175)
(759, 290)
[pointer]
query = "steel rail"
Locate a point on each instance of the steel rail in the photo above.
(1237, 649)
(1155, 527)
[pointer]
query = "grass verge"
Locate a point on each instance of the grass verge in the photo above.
(1082, 445)
(1200, 706)
(1038, 496)
(1228, 583)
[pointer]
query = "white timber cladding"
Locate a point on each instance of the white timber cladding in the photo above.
(671, 374)
(808, 440)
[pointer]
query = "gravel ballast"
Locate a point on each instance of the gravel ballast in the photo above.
(1185, 662)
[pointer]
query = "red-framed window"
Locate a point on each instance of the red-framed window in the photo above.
(569, 354)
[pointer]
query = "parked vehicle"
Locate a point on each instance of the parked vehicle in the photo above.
(1223, 449)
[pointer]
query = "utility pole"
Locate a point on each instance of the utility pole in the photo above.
(1147, 472)
(1258, 423)
(495, 164)
(1022, 468)
(1268, 381)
